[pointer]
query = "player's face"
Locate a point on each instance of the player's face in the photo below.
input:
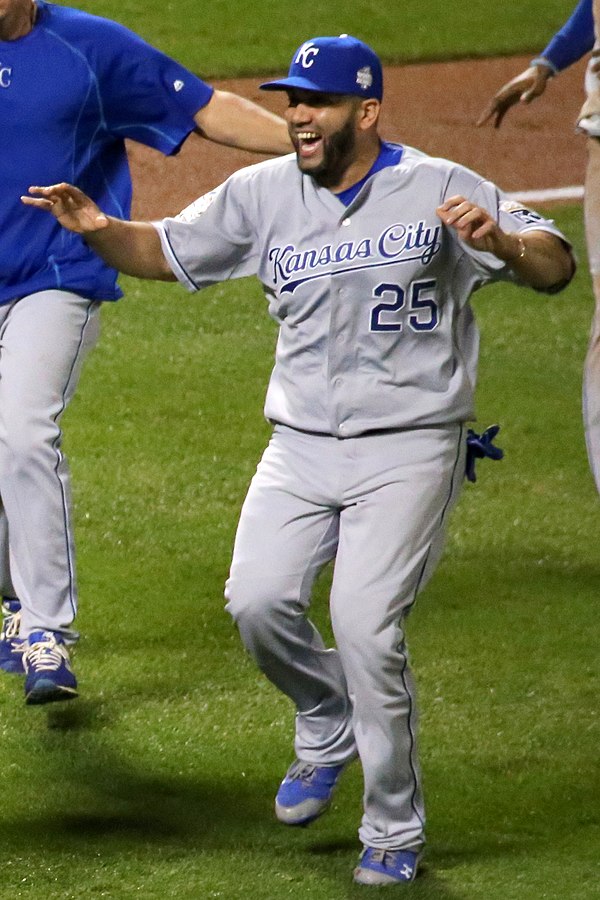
(16, 17)
(323, 130)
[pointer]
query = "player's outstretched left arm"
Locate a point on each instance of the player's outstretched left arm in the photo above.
(236, 122)
(523, 88)
(130, 247)
(539, 258)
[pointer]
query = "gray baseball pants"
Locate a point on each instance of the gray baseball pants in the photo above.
(378, 505)
(44, 339)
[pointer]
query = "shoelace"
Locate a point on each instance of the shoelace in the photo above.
(301, 772)
(10, 626)
(389, 859)
(379, 856)
(46, 656)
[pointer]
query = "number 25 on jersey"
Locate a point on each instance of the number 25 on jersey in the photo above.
(420, 312)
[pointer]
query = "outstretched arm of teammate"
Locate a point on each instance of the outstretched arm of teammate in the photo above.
(569, 44)
(130, 247)
(540, 259)
(232, 120)
(524, 88)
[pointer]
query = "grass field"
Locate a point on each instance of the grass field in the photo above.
(228, 37)
(159, 781)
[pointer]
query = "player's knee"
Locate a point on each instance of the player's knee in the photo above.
(361, 642)
(255, 601)
(25, 443)
(364, 635)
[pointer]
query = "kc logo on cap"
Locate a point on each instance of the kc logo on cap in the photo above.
(306, 55)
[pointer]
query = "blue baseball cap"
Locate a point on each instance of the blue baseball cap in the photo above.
(333, 65)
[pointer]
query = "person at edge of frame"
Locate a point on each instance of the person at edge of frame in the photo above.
(579, 34)
(73, 87)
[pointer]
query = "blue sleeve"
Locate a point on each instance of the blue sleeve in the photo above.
(574, 39)
(145, 95)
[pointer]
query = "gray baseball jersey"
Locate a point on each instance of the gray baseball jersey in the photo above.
(372, 300)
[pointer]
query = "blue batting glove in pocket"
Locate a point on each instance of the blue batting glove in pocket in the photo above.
(480, 446)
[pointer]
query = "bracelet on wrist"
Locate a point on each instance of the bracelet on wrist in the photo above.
(520, 253)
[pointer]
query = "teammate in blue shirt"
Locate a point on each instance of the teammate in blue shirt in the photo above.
(73, 87)
(572, 41)
(579, 35)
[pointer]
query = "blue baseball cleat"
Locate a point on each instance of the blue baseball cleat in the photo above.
(305, 792)
(48, 668)
(380, 867)
(11, 645)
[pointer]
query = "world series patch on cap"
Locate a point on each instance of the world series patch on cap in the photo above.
(333, 65)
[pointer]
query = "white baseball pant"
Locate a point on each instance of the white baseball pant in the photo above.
(378, 504)
(44, 339)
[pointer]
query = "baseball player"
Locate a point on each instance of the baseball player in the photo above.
(72, 88)
(576, 38)
(368, 252)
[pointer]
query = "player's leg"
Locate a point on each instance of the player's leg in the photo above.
(287, 532)
(7, 588)
(591, 380)
(44, 340)
(391, 534)
(11, 644)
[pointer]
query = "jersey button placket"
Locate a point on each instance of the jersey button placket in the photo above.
(339, 332)
(337, 350)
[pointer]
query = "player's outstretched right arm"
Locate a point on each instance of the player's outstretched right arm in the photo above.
(130, 247)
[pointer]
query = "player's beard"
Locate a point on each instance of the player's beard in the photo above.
(339, 151)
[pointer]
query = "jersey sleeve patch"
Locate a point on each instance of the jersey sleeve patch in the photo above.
(521, 213)
(197, 208)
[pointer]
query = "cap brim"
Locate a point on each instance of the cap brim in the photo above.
(295, 82)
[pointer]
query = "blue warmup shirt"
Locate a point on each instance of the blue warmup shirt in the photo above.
(574, 39)
(71, 92)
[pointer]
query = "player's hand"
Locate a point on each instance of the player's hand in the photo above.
(522, 89)
(73, 209)
(472, 223)
(476, 227)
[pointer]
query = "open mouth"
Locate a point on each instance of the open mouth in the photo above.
(309, 143)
